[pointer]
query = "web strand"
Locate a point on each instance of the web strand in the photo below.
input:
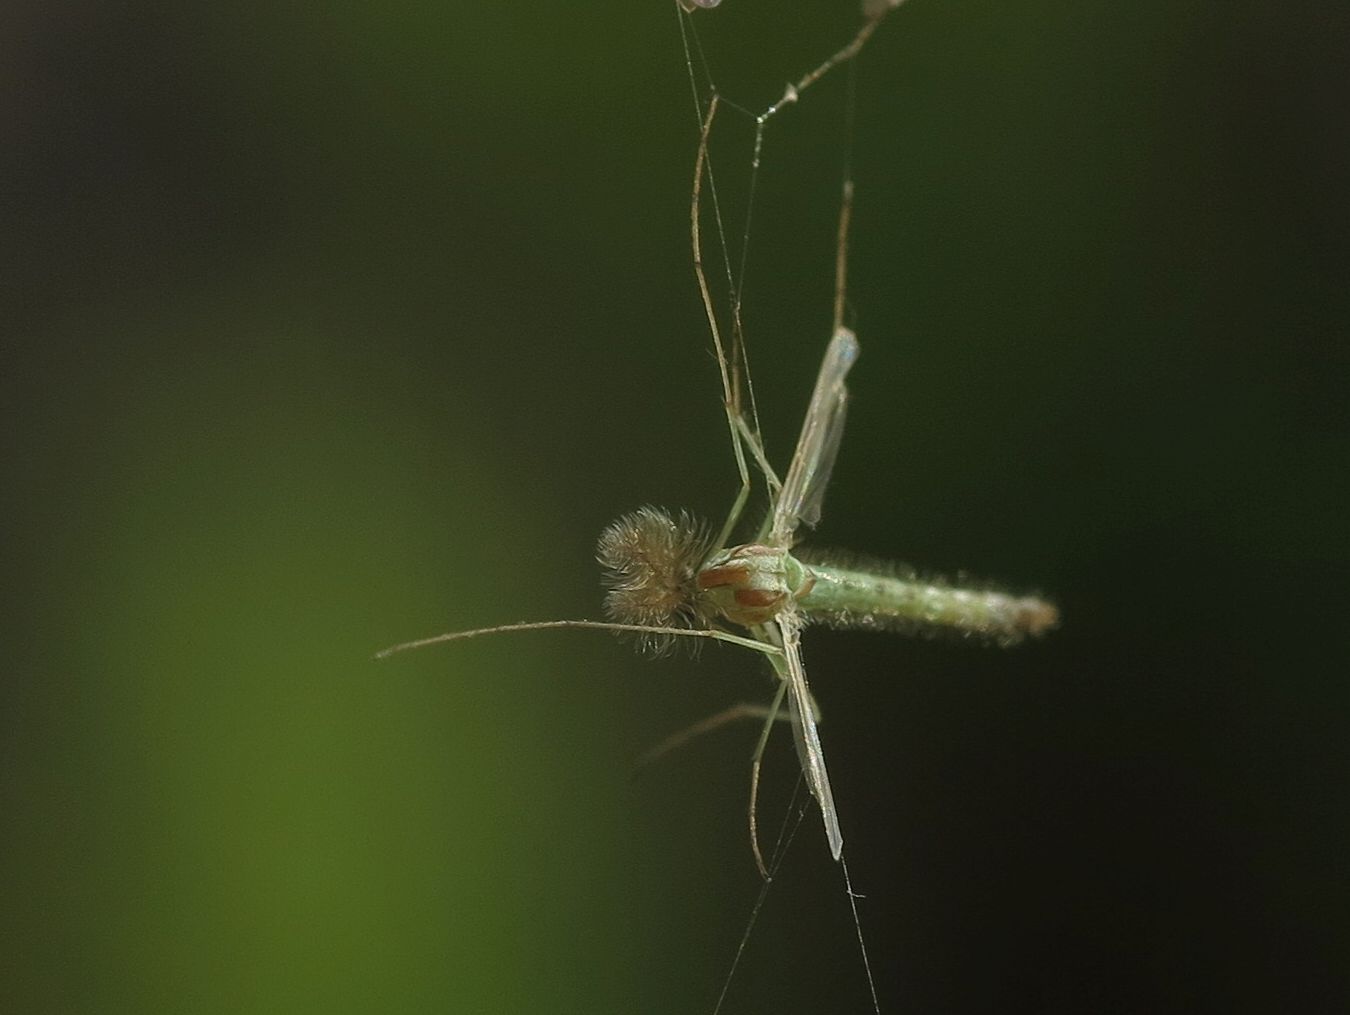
(732, 355)
(734, 362)
(787, 831)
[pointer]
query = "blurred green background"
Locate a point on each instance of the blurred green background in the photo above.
(329, 326)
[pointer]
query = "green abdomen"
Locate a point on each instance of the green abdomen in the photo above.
(868, 597)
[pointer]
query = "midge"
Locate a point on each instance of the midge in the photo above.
(667, 579)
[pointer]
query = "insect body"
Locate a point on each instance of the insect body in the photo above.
(663, 574)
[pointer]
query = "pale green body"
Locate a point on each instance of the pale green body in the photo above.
(752, 584)
(860, 598)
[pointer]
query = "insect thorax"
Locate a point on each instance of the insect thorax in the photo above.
(750, 584)
(661, 570)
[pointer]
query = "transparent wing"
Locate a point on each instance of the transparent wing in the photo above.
(805, 735)
(803, 491)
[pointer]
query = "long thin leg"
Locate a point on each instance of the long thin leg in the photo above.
(732, 363)
(730, 385)
(756, 448)
(873, 13)
(841, 255)
(755, 762)
(872, 16)
(742, 434)
(743, 710)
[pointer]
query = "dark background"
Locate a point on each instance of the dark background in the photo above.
(326, 327)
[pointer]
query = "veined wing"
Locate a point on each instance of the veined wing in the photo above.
(805, 735)
(803, 491)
